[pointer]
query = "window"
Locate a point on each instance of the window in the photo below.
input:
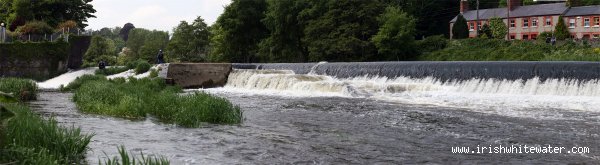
(586, 22)
(525, 37)
(548, 21)
(512, 23)
(596, 35)
(597, 21)
(572, 23)
(525, 22)
(471, 26)
(512, 37)
(534, 36)
(479, 25)
(534, 22)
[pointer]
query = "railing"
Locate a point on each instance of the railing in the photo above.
(53, 37)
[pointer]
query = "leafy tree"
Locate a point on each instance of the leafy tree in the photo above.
(341, 30)
(498, 28)
(216, 47)
(561, 31)
(190, 41)
(395, 38)
(460, 29)
(485, 31)
(99, 47)
(242, 30)
(124, 32)
(136, 40)
(284, 43)
(50, 11)
(154, 41)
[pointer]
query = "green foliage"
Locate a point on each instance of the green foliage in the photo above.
(6, 98)
(542, 36)
(341, 30)
(432, 43)
(142, 67)
(136, 98)
(153, 73)
(81, 80)
(29, 139)
(242, 30)
(395, 38)
(100, 49)
(23, 89)
(144, 44)
(190, 41)
(561, 31)
(498, 28)
(111, 70)
(125, 159)
(284, 43)
(485, 31)
(36, 27)
(479, 49)
(216, 47)
(17, 12)
(460, 29)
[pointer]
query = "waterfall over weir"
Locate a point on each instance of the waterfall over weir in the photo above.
(568, 85)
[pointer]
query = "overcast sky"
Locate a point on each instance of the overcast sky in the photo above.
(154, 14)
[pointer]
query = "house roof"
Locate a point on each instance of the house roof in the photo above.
(583, 10)
(521, 11)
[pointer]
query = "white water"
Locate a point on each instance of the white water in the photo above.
(513, 98)
(65, 79)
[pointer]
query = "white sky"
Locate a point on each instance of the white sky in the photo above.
(154, 14)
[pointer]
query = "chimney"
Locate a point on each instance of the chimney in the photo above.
(464, 6)
(513, 4)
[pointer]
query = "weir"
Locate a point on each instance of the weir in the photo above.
(445, 71)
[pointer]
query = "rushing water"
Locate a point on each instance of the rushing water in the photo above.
(319, 119)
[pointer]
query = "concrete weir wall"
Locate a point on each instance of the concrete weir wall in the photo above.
(198, 75)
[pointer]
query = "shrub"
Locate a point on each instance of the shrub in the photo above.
(23, 89)
(81, 80)
(35, 27)
(33, 140)
(460, 29)
(153, 73)
(111, 70)
(142, 67)
(69, 24)
(432, 43)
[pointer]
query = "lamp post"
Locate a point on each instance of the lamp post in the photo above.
(2, 32)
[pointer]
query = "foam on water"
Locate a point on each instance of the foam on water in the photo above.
(508, 97)
(65, 79)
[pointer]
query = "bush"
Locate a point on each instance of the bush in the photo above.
(111, 70)
(81, 80)
(69, 24)
(153, 73)
(35, 27)
(432, 43)
(29, 139)
(138, 97)
(23, 89)
(142, 67)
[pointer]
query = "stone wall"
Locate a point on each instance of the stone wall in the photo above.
(198, 75)
(37, 61)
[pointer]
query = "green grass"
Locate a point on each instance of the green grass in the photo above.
(80, 80)
(137, 98)
(111, 70)
(479, 49)
(23, 89)
(29, 139)
(125, 159)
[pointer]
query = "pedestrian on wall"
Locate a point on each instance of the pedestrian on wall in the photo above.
(160, 58)
(101, 64)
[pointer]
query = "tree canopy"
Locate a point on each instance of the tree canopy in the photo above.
(190, 41)
(18, 12)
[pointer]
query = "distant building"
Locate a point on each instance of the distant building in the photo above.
(527, 22)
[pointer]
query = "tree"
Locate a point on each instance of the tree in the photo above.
(561, 31)
(395, 38)
(215, 50)
(460, 29)
(190, 42)
(284, 43)
(124, 32)
(498, 28)
(99, 47)
(50, 11)
(485, 31)
(242, 30)
(154, 41)
(341, 30)
(136, 40)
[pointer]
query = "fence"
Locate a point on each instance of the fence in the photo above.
(53, 37)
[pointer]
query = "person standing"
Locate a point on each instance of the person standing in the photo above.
(160, 57)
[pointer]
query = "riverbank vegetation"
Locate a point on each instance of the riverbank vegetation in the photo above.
(137, 98)
(23, 89)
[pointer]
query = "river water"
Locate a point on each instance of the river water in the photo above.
(312, 119)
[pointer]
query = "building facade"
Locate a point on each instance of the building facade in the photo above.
(527, 22)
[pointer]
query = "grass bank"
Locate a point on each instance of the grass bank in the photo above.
(23, 89)
(137, 98)
(26, 138)
(479, 49)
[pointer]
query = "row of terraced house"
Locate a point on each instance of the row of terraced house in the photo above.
(527, 22)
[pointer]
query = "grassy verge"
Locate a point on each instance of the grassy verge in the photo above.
(111, 70)
(137, 98)
(23, 89)
(125, 159)
(479, 49)
(26, 138)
